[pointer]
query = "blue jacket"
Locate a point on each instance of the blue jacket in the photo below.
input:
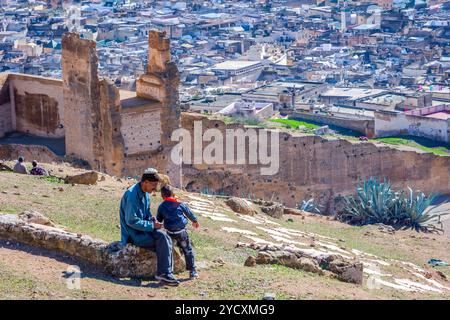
(174, 214)
(135, 216)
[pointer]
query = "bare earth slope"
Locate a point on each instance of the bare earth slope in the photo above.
(394, 263)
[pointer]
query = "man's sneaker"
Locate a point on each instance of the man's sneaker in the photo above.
(168, 279)
(193, 274)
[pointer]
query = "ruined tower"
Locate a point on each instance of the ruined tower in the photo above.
(81, 94)
(160, 84)
(121, 132)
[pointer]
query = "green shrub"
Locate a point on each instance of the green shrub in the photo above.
(376, 202)
(52, 179)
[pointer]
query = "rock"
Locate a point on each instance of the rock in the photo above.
(334, 265)
(5, 167)
(269, 296)
(293, 211)
(250, 262)
(265, 257)
(219, 261)
(274, 211)
(264, 203)
(88, 178)
(132, 261)
(60, 189)
(309, 265)
(241, 206)
(292, 260)
(289, 220)
(322, 130)
(36, 217)
(347, 271)
(165, 180)
(441, 274)
(103, 178)
(114, 259)
(385, 228)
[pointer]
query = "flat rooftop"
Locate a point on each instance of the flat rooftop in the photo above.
(352, 93)
(235, 64)
(274, 89)
(444, 115)
(129, 99)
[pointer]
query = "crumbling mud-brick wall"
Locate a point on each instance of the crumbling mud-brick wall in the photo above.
(5, 105)
(125, 136)
(32, 105)
(81, 98)
(38, 105)
(89, 102)
(315, 167)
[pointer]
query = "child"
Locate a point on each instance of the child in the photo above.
(175, 216)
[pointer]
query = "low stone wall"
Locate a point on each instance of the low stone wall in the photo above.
(114, 259)
(389, 123)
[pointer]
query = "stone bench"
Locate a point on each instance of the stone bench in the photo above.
(112, 258)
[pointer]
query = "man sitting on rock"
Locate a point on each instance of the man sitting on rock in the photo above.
(19, 167)
(141, 229)
(37, 171)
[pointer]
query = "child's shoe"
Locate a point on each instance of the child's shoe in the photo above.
(193, 274)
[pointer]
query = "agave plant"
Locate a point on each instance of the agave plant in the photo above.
(376, 202)
(372, 203)
(310, 206)
(418, 213)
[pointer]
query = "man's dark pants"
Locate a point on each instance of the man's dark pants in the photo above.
(160, 242)
(185, 245)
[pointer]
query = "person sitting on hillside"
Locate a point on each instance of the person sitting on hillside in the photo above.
(141, 229)
(20, 167)
(175, 216)
(37, 171)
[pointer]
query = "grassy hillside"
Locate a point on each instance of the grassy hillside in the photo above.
(29, 273)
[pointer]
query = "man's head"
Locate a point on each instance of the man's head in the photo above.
(34, 163)
(21, 159)
(150, 180)
(167, 192)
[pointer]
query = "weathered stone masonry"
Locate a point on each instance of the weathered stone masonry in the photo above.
(123, 132)
(118, 132)
(312, 166)
(31, 105)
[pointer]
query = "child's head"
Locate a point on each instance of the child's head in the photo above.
(167, 191)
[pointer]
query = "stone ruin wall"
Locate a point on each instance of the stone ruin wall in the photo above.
(121, 141)
(82, 99)
(315, 167)
(112, 139)
(160, 86)
(5, 106)
(32, 105)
